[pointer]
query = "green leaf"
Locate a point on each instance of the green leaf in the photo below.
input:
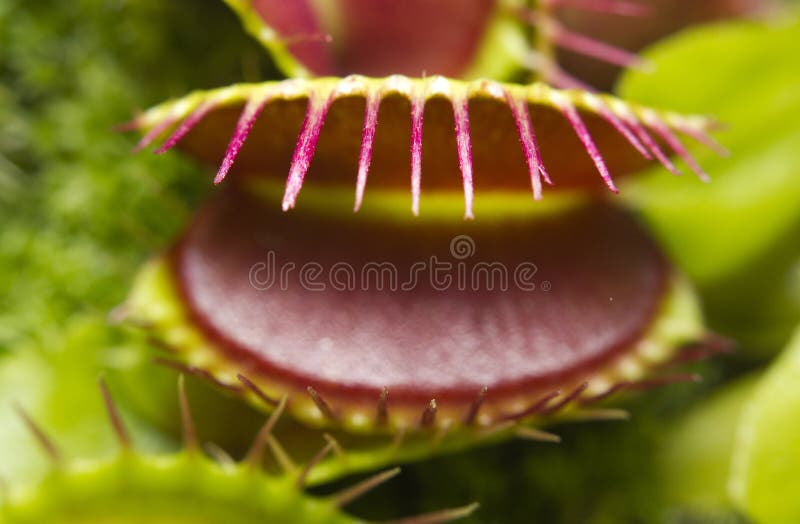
(738, 237)
(745, 74)
(56, 385)
(695, 457)
(764, 479)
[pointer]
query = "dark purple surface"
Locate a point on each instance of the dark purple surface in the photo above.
(606, 281)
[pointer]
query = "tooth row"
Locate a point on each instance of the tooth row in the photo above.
(633, 123)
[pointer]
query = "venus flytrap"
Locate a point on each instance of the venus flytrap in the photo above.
(429, 370)
(466, 118)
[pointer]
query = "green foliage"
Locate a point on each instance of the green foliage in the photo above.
(58, 388)
(694, 460)
(79, 211)
(764, 480)
(738, 237)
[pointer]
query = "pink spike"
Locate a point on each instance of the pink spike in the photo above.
(186, 126)
(519, 108)
(559, 78)
(647, 140)
(621, 128)
(367, 139)
(657, 151)
(306, 145)
(248, 117)
(461, 118)
(417, 115)
(614, 7)
(577, 124)
(154, 133)
(657, 125)
(701, 137)
(575, 393)
(536, 407)
(596, 49)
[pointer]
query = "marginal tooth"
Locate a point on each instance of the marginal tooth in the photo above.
(196, 371)
(624, 112)
(187, 422)
(527, 137)
(306, 145)
(656, 124)
(282, 457)
(417, 116)
(184, 127)
(536, 407)
(155, 132)
(348, 495)
(574, 118)
(428, 415)
(322, 405)
(248, 117)
(42, 438)
(367, 140)
(249, 384)
(464, 144)
(439, 517)
(256, 451)
(382, 409)
(120, 431)
(598, 105)
(220, 456)
(574, 394)
(316, 459)
(537, 435)
(595, 396)
(475, 407)
(700, 136)
(337, 448)
(709, 345)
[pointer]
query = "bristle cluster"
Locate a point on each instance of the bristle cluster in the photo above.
(254, 457)
(574, 402)
(633, 123)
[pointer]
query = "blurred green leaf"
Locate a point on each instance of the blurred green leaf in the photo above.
(764, 479)
(694, 460)
(57, 387)
(80, 212)
(738, 237)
